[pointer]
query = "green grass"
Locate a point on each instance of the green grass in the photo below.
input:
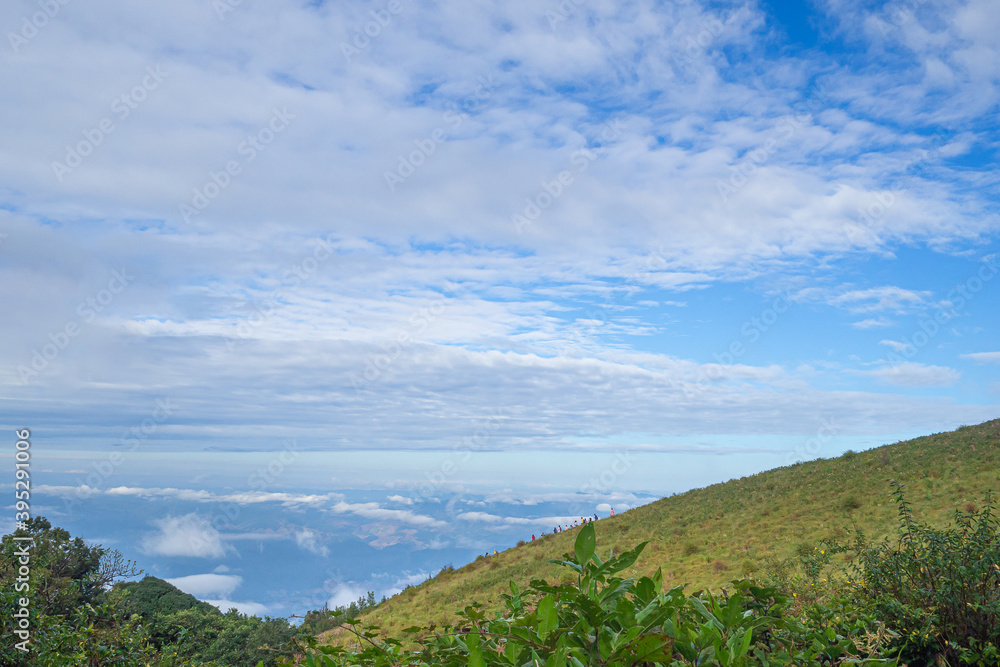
(707, 537)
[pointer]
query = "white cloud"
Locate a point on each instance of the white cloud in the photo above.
(402, 500)
(201, 585)
(344, 594)
(240, 498)
(248, 608)
(485, 517)
(912, 374)
(872, 323)
(188, 535)
(409, 579)
(374, 511)
(82, 491)
(896, 345)
(229, 285)
(896, 299)
(983, 357)
(309, 541)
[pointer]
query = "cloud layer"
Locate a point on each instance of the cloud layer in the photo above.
(514, 225)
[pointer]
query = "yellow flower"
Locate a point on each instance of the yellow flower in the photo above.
(821, 551)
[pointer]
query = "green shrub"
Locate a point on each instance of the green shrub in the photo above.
(940, 589)
(851, 503)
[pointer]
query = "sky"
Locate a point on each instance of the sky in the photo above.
(305, 299)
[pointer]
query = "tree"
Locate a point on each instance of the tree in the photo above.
(70, 619)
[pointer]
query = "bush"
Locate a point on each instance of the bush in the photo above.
(851, 503)
(940, 589)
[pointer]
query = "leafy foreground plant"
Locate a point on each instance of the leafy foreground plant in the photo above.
(605, 619)
(940, 588)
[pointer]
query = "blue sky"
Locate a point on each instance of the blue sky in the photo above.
(514, 241)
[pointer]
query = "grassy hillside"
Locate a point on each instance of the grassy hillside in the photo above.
(709, 536)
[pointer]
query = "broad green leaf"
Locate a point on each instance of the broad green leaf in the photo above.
(548, 619)
(700, 607)
(586, 543)
(512, 650)
(745, 646)
(475, 653)
(557, 659)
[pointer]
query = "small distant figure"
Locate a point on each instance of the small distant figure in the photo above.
(532, 538)
(612, 511)
(495, 552)
(595, 516)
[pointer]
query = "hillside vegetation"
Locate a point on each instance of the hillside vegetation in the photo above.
(751, 526)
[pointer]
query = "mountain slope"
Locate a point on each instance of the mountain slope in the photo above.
(706, 537)
(152, 596)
